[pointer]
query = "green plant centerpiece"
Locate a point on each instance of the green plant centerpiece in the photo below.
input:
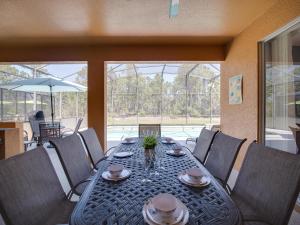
(149, 142)
(149, 146)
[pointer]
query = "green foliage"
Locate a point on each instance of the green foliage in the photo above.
(167, 96)
(69, 104)
(149, 142)
(67, 100)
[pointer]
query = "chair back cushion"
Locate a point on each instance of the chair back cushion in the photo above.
(93, 145)
(73, 158)
(222, 155)
(30, 189)
(149, 130)
(203, 144)
(269, 181)
(34, 125)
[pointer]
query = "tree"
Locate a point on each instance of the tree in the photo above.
(151, 96)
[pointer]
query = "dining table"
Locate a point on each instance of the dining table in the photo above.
(121, 202)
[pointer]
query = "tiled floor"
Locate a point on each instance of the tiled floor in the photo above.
(295, 219)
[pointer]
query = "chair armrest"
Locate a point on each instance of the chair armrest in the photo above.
(68, 130)
(73, 190)
(25, 132)
(228, 189)
(108, 152)
(25, 135)
(104, 158)
(191, 140)
(187, 148)
(225, 185)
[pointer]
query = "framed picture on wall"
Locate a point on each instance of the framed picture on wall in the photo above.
(235, 90)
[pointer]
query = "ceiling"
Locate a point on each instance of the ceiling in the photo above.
(126, 21)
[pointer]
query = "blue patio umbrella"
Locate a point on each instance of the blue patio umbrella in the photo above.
(44, 85)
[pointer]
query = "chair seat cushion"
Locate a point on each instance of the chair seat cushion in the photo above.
(61, 214)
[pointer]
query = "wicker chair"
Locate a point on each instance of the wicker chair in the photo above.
(222, 155)
(149, 129)
(75, 162)
(267, 186)
(203, 144)
(93, 146)
(31, 193)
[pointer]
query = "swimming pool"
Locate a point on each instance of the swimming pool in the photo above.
(116, 133)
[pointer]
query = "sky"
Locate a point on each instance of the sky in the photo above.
(170, 70)
(58, 69)
(61, 70)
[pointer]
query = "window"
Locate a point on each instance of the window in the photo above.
(183, 97)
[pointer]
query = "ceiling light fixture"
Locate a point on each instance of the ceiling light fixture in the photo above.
(174, 8)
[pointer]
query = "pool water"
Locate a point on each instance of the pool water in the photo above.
(116, 133)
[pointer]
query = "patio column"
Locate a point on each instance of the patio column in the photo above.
(96, 98)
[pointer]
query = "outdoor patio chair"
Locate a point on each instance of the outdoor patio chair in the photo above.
(93, 146)
(203, 144)
(192, 139)
(267, 186)
(67, 131)
(31, 193)
(214, 128)
(27, 142)
(74, 161)
(149, 129)
(296, 135)
(35, 118)
(222, 155)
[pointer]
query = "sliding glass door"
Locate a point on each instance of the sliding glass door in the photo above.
(281, 62)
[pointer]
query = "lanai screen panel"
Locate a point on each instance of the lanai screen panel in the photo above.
(166, 93)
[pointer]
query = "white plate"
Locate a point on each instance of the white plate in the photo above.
(167, 142)
(171, 152)
(153, 216)
(123, 154)
(183, 221)
(184, 178)
(124, 174)
(129, 142)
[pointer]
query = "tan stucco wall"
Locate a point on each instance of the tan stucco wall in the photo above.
(242, 58)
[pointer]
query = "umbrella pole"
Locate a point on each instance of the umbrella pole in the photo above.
(51, 99)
